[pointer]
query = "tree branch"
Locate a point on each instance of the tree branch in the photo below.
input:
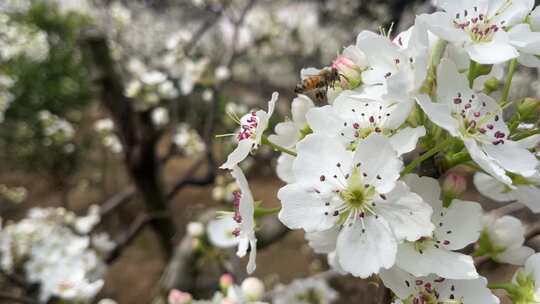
(131, 234)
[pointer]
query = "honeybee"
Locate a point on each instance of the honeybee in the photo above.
(319, 83)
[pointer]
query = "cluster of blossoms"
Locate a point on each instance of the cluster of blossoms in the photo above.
(53, 248)
(188, 140)
(14, 195)
(57, 131)
(252, 291)
(6, 97)
(17, 39)
(348, 185)
(105, 128)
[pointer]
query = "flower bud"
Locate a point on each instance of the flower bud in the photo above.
(528, 107)
(195, 229)
(253, 288)
(179, 297)
(349, 67)
(454, 185)
(491, 85)
(225, 281)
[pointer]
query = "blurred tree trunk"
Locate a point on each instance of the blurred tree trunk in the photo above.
(139, 138)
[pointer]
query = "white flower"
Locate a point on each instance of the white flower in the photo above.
(455, 227)
(480, 27)
(241, 221)
(85, 224)
(476, 119)
(252, 288)
(305, 291)
(252, 127)
(350, 119)
(153, 78)
(220, 232)
(505, 239)
(160, 116)
(527, 281)
(359, 192)
(434, 289)
(526, 191)
(195, 229)
(288, 133)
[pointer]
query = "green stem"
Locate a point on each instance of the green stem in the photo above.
(260, 212)
(508, 82)
(473, 66)
(458, 159)
(415, 163)
(525, 134)
(436, 55)
(276, 147)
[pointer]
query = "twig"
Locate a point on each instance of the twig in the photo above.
(188, 179)
(111, 204)
(129, 236)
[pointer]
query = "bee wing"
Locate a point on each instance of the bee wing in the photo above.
(309, 72)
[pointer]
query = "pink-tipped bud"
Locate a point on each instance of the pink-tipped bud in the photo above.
(179, 297)
(225, 281)
(350, 73)
(454, 184)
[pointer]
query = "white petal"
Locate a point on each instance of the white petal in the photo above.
(439, 113)
(535, 19)
(529, 142)
(303, 208)
(324, 120)
(405, 140)
(507, 232)
(515, 256)
(485, 162)
(220, 232)
(532, 265)
(365, 253)
(492, 188)
(468, 291)
(513, 158)
(444, 263)
(529, 60)
(239, 153)
(512, 12)
(441, 24)
(407, 214)
(318, 157)
(378, 159)
(492, 52)
(399, 281)
(299, 108)
(247, 204)
(398, 115)
(264, 117)
(460, 224)
(528, 195)
(451, 82)
(524, 39)
(323, 241)
(284, 168)
(287, 134)
(251, 266)
(428, 188)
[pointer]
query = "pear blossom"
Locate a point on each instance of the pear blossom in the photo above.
(242, 217)
(526, 282)
(252, 127)
(456, 226)
(482, 28)
(350, 119)
(288, 133)
(433, 289)
(477, 120)
(358, 192)
(252, 288)
(305, 291)
(502, 239)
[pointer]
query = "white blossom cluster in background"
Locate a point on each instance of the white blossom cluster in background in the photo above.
(188, 140)
(14, 195)
(105, 129)
(18, 39)
(57, 131)
(53, 248)
(6, 97)
(438, 91)
(252, 291)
